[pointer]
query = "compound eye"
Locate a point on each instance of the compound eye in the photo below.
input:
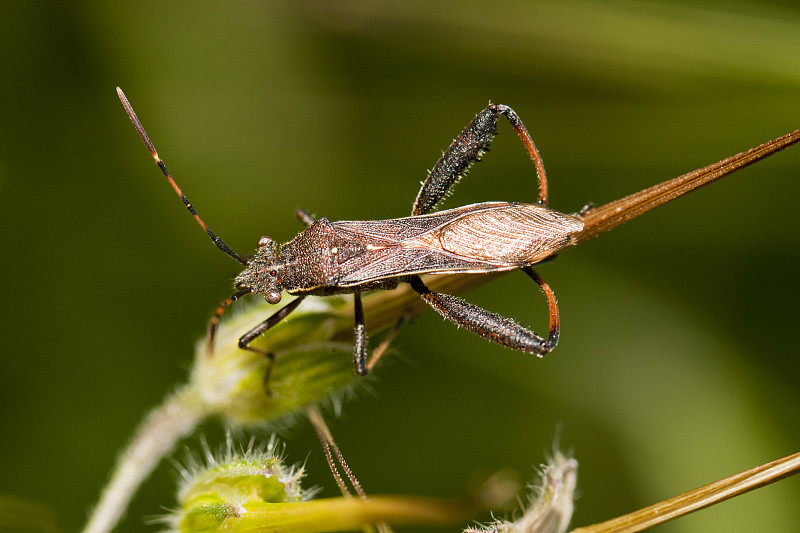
(264, 241)
(272, 296)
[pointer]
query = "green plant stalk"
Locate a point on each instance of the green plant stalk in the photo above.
(157, 435)
(345, 514)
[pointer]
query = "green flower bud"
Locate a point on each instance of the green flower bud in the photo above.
(312, 363)
(221, 489)
(256, 491)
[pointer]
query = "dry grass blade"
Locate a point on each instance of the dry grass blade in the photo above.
(699, 498)
(601, 219)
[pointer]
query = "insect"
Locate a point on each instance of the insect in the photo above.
(330, 258)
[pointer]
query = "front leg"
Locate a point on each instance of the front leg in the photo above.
(246, 339)
(491, 326)
(467, 148)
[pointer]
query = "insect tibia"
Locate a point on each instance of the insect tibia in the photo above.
(465, 149)
(488, 325)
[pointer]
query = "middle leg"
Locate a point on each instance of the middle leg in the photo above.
(246, 339)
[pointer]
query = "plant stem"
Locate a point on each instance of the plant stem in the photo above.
(163, 427)
(601, 219)
(349, 514)
(699, 498)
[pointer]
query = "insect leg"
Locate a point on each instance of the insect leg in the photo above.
(488, 325)
(304, 217)
(360, 343)
(215, 318)
(360, 337)
(530, 147)
(554, 324)
(384, 345)
(250, 336)
(467, 148)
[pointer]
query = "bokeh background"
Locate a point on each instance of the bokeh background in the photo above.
(678, 363)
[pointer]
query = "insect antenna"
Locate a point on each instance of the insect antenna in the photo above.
(138, 125)
(217, 316)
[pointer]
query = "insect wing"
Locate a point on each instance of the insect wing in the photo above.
(475, 238)
(516, 234)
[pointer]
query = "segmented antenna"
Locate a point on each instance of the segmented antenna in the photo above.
(138, 125)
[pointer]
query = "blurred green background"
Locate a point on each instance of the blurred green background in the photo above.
(678, 363)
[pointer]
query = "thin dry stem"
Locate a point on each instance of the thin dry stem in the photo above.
(699, 498)
(601, 219)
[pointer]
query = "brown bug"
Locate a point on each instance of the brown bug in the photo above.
(356, 256)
